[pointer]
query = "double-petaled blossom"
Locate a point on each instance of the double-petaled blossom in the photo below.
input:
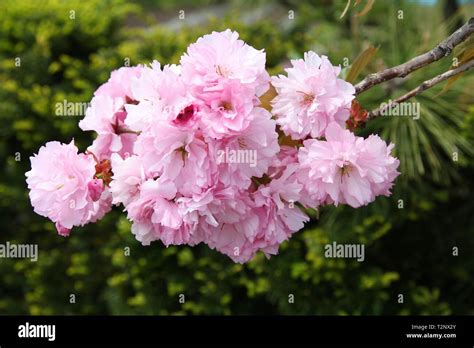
(64, 187)
(347, 169)
(311, 97)
(107, 115)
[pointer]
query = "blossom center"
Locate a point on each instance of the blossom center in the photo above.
(227, 106)
(221, 71)
(183, 152)
(346, 170)
(308, 98)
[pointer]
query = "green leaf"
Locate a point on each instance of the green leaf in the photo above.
(360, 63)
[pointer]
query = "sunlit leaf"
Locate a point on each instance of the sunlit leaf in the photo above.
(360, 63)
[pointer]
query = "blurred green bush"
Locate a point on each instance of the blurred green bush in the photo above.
(49, 54)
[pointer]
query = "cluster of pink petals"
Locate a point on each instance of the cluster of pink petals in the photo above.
(178, 186)
(311, 97)
(106, 115)
(196, 159)
(347, 169)
(63, 187)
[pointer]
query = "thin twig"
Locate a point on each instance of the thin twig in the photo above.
(424, 86)
(441, 50)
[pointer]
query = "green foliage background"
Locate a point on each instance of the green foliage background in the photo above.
(409, 251)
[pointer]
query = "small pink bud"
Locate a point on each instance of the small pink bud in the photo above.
(62, 231)
(96, 187)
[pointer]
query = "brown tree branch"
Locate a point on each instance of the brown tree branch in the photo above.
(443, 49)
(424, 86)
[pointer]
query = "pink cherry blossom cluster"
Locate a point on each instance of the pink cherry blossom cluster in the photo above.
(193, 157)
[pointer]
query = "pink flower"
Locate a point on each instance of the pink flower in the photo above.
(347, 169)
(144, 232)
(162, 95)
(119, 83)
(178, 155)
(279, 215)
(236, 222)
(156, 214)
(230, 239)
(248, 154)
(240, 224)
(200, 208)
(381, 166)
(229, 110)
(107, 115)
(103, 115)
(285, 168)
(243, 224)
(62, 186)
(157, 83)
(221, 56)
(311, 97)
(145, 90)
